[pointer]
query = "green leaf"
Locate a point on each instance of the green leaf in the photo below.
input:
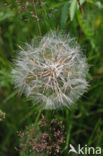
(73, 7)
(6, 15)
(64, 14)
(82, 1)
(24, 154)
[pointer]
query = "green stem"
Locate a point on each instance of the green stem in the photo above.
(35, 12)
(37, 118)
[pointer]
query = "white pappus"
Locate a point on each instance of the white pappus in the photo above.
(53, 73)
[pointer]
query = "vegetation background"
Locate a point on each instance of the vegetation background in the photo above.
(20, 22)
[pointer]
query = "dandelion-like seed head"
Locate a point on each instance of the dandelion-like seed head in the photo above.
(2, 115)
(53, 73)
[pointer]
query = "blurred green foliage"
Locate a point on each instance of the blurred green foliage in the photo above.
(20, 22)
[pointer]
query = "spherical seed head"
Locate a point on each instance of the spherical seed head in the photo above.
(54, 73)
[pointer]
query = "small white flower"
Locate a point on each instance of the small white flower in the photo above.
(52, 74)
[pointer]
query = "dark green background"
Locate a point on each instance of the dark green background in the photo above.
(19, 24)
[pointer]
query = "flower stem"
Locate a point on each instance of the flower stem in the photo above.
(35, 12)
